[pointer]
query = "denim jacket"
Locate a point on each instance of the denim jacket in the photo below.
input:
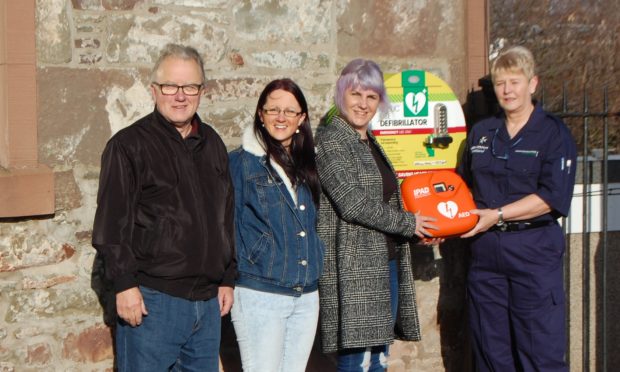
(278, 248)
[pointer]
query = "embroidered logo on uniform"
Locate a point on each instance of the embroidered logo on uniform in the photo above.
(482, 140)
(479, 149)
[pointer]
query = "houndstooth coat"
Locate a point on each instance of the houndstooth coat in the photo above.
(352, 222)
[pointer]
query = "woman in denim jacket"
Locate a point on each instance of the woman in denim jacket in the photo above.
(279, 254)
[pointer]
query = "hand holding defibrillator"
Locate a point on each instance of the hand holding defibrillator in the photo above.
(487, 218)
(422, 226)
(441, 197)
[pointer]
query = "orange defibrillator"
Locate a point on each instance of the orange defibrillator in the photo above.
(443, 195)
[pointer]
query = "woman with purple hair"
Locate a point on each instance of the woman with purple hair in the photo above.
(367, 285)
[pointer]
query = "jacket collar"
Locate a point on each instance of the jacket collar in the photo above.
(171, 131)
(342, 124)
(348, 130)
(251, 144)
(534, 123)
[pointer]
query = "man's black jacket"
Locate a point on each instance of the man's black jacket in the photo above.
(165, 210)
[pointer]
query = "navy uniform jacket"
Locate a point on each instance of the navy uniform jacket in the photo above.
(540, 159)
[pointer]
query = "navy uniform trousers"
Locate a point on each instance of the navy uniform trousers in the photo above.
(516, 300)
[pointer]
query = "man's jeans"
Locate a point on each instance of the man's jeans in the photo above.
(371, 359)
(275, 332)
(177, 335)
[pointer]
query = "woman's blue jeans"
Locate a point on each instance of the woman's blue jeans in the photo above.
(275, 332)
(371, 359)
(176, 335)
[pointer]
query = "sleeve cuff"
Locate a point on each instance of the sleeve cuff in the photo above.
(229, 278)
(410, 225)
(125, 282)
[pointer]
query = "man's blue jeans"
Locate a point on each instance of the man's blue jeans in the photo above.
(372, 359)
(176, 335)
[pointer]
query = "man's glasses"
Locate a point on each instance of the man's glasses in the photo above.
(503, 156)
(172, 89)
(276, 111)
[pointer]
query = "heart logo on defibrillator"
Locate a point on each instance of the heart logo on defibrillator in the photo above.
(443, 195)
(415, 102)
(448, 209)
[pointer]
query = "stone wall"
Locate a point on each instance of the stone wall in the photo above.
(575, 44)
(93, 64)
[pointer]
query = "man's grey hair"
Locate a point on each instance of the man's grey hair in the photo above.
(178, 51)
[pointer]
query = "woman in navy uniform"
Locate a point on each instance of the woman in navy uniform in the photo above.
(519, 165)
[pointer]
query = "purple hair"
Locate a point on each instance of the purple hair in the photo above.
(362, 74)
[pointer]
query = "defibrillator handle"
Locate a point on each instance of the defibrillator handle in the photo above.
(440, 138)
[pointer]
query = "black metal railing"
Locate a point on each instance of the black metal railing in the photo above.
(593, 127)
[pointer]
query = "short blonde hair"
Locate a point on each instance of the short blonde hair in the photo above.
(514, 59)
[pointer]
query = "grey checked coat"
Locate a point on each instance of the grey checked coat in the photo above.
(353, 219)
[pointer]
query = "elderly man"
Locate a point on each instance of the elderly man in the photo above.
(164, 226)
